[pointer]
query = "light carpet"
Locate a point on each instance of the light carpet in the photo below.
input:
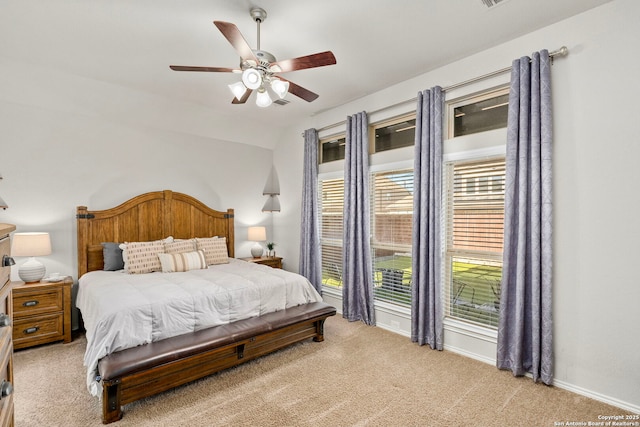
(359, 376)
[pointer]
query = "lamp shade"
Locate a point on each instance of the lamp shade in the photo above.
(263, 99)
(272, 204)
(252, 78)
(257, 234)
(31, 244)
(272, 186)
(238, 89)
(280, 87)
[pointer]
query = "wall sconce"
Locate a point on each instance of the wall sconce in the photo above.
(257, 234)
(272, 189)
(3, 204)
(31, 245)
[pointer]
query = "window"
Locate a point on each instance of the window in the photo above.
(391, 198)
(391, 232)
(331, 193)
(391, 134)
(331, 149)
(391, 228)
(474, 237)
(478, 112)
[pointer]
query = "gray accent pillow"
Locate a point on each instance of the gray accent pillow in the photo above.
(112, 255)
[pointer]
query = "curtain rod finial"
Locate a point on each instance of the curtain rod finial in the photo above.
(563, 51)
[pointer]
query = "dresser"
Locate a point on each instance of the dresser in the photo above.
(6, 345)
(41, 312)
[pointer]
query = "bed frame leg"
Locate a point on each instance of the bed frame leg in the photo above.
(319, 331)
(111, 410)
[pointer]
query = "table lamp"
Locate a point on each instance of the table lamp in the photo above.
(257, 234)
(31, 245)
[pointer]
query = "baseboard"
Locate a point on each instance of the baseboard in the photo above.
(558, 383)
(469, 354)
(597, 396)
(393, 329)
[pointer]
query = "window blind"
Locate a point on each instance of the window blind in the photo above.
(331, 194)
(391, 234)
(474, 216)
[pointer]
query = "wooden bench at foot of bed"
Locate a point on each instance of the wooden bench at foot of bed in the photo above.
(146, 370)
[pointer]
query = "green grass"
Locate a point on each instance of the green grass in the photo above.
(473, 290)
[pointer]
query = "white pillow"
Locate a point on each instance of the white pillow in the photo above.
(178, 246)
(142, 257)
(215, 249)
(184, 261)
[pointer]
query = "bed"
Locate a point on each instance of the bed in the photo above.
(180, 307)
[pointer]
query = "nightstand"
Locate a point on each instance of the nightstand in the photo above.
(41, 312)
(271, 261)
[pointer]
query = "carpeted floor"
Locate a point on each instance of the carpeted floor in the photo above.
(359, 376)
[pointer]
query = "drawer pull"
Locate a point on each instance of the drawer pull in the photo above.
(4, 320)
(32, 303)
(32, 330)
(6, 388)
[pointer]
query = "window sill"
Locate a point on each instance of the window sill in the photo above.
(332, 291)
(393, 309)
(471, 330)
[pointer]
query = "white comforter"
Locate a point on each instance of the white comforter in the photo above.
(126, 310)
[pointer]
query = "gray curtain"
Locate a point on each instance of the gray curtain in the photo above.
(525, 328)
(357, 277)
(426, 290)
(310, 250)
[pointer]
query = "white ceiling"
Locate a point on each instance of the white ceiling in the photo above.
(129, 44)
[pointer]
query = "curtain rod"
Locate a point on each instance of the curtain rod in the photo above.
(563, 51)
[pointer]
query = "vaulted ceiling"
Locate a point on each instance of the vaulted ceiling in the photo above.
(112, 57)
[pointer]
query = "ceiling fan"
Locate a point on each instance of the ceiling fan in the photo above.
(260, 68)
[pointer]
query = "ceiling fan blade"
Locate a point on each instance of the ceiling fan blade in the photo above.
(206, 69)
(300, 92)
(234, 36)
(243, 99)
(310, 61)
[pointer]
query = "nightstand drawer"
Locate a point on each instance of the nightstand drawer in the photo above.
(35, 330)
(37, 301)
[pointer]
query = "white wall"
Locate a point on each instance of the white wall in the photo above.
(55, 156)
(596, 287)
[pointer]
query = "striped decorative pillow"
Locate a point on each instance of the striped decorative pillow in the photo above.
(184, 261)
(215, 249)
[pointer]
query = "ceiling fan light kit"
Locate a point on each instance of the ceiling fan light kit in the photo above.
(263, 99)
(238, 89)
(258, 67)
(279, 87)
(252, 78)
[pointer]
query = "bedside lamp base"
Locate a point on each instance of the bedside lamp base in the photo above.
(257, 250)
(31, 271)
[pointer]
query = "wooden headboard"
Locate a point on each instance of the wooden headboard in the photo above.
(149, 216)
